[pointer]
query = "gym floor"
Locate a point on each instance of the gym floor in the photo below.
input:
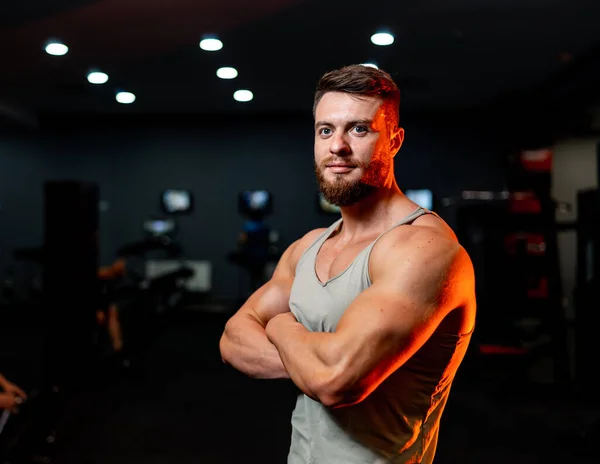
(187, 407)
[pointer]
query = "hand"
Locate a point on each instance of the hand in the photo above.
(10, 401)
(280, 321)
(11, 389)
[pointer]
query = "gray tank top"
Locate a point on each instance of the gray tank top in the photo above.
(399, 421)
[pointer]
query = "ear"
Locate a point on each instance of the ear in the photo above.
(396, 140)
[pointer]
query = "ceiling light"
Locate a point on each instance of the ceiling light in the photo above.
(211, 45)
(97, 77)
(371, 65)
(243, 95)
(227, 73)
(382, 38)
(56, 48)
(125, 97)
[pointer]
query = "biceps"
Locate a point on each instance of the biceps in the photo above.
(376, 315)
(378, 331)
(269, 300)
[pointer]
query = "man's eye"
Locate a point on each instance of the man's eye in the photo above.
(361, 129)
(324, 131)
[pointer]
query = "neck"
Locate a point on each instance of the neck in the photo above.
(373, 214)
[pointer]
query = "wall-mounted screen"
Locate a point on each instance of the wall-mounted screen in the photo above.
(175, 201)
(422, 197)
(254, 202)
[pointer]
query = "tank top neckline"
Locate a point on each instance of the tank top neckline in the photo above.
(406, 219)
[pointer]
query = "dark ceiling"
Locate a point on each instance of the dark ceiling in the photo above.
(447, 55)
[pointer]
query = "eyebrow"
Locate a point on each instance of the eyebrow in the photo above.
(349, 123)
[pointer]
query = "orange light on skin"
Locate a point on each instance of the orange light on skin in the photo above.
(357, 131)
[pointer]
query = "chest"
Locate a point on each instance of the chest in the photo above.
(334, 258)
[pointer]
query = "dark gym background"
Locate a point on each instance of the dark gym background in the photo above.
(133, 161)
(481, 84)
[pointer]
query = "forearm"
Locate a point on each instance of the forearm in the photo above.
(245, 346)
(306, 357)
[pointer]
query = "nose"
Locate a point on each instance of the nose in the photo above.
(339, 145)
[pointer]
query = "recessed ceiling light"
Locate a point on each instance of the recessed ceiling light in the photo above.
(227, 73)
(371, 65)
(97, 77)
(125, 97)
(382, 38)
(211, 45)
(56, 48)
(243, 95)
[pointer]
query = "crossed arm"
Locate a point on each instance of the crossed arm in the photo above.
(412, 292)
(415, 285)
(244, 343)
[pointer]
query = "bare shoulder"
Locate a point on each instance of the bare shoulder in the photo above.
(432, 221)
(427, 234)
(297, 249)
(425, 266)
(420, 244)
(426, 253)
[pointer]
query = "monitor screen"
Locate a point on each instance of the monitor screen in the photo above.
(422, 197)
(326, 207)
(176, 201)
(255, 202)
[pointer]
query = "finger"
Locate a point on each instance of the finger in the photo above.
(15, 390)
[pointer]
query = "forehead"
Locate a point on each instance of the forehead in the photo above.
(339, 106)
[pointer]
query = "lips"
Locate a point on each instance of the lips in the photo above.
(340, 168)
(340, 165)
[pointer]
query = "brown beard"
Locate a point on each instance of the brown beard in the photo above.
(342, 192)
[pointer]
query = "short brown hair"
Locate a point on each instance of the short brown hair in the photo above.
(360, 80)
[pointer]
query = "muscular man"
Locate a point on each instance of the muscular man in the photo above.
(371, 317)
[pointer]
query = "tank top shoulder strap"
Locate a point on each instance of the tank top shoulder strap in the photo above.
(406, 220)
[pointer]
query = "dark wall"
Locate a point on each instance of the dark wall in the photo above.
(133, 162)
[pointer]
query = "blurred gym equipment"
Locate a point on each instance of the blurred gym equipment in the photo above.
(587, 316)
(257, 242)
(73, 290)
(511, 237)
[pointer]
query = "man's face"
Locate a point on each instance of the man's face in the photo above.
(354, 146)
